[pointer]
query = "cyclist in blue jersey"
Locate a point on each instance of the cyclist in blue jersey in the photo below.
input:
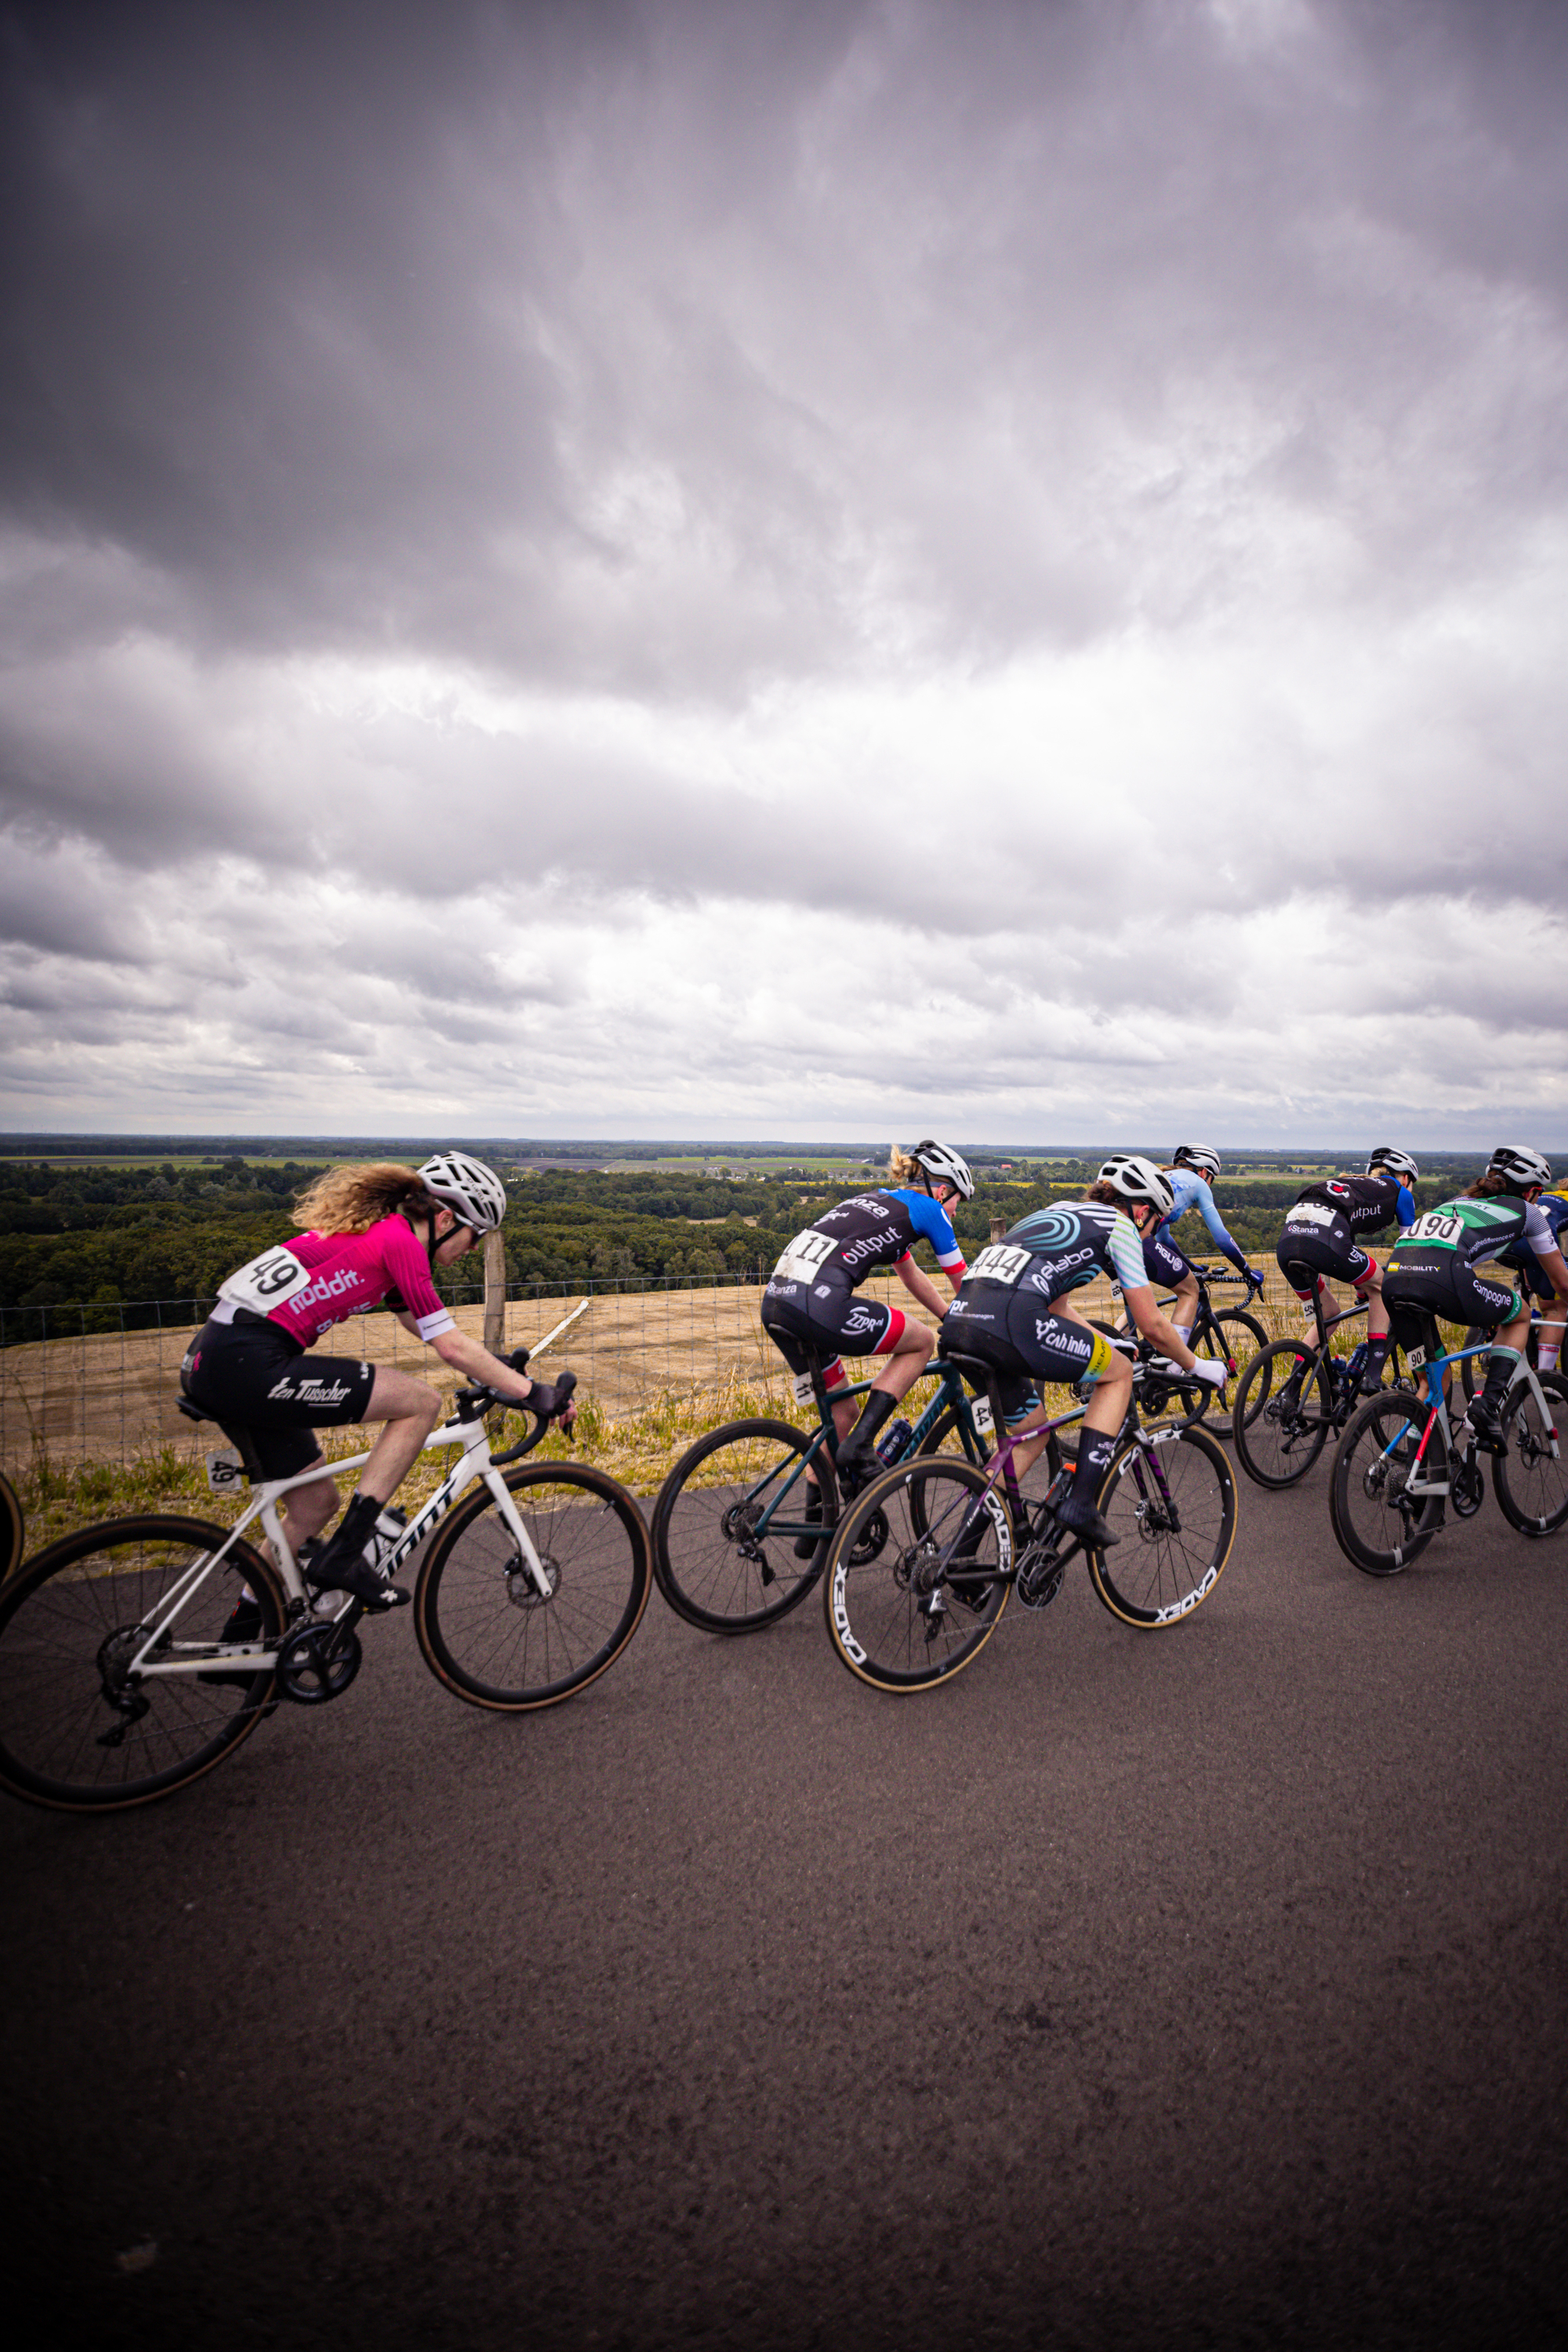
(1191, 1177)
(1014, 1312)
(1534, 1281)
(810, 1304)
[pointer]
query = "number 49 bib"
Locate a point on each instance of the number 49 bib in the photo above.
(266, 1282)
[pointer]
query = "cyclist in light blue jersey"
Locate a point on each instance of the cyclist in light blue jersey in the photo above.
(1191, 1179)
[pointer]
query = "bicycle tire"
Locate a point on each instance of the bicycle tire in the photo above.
(1531, 1484)
(704, 1559)
(1371, 1465)
(1246, 1340)
(13, 1529)
(1171, 1555)
(877, 1594)
(59, 1616)
(485, 1630)
(1278, 1443)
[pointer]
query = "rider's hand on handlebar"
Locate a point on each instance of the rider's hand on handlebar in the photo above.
(1211, 1374)
(553, 1400)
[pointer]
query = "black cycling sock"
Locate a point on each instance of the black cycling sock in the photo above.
(1501, 1365)
(1095, 1448)
(876, 1409)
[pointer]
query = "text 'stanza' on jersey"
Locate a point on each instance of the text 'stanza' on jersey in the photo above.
(1074, 1241)
(316, 1280)
(1364, 1204)
(870, 1230)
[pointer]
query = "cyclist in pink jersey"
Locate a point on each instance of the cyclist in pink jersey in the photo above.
(379, 1232)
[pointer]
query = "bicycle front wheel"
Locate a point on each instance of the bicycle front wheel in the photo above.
(486, 1629)
(1282, 1415)
(11, 1528)
(917, 1574)
(80, 1728)
(1528, 1479)
(727, 1521)
(1377, 1522)
(1173, 1504)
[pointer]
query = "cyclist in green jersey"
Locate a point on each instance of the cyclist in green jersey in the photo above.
(1432, 1270)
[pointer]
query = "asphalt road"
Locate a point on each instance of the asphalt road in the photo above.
(1204, 1988)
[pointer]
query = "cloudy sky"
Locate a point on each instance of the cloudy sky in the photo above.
(785, 567)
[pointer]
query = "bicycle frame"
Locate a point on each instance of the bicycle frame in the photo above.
(470, 1434)
(1436, 1370)
(950, 1391)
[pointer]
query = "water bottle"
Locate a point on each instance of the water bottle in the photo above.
(1357, 1365)
(891, 1443)
(389, 1526)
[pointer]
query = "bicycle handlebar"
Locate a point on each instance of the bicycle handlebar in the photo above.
(564, 1387)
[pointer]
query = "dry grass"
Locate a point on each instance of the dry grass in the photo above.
(89, 1427)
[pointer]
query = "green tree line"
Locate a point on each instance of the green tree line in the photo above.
(106, 1241)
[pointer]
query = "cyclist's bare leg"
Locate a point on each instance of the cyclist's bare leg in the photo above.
(410, 1408)
(1107, 1411)
(909, 1355)
(1184, 1309)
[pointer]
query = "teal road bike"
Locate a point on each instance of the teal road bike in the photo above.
(729, 1517)
(1403, 1466)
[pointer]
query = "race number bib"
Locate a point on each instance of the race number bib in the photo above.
(980, 1413)
(266, 1282)
(1307, 1214)
(1437, 1225)
(1000, 1262)
(225, 1471)
(804, 1391)
(803, 1257)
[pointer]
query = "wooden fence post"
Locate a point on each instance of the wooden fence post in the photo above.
(495, 1294)
(998, 1227)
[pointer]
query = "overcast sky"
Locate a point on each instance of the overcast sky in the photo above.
(785, 567)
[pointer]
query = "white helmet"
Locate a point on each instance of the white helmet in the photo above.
(1199, 1156)
(940, 1160)
(1518, 1166)
(468, 1186)
(1398, 1163)
(1136, 1178)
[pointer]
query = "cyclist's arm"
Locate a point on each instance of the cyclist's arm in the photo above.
(1554, 1266)
(1203, 1201)
(1151, 1326)
(919, 1284)
(476, 1363)
(930, 1218)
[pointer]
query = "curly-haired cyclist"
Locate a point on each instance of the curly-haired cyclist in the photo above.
(810, 1302)
(1433, 1267)
(1015, 1312)
(375, 1233)
(1320, 1238)
(1192, 1172)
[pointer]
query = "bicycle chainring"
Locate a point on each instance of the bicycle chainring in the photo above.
(318, 1663)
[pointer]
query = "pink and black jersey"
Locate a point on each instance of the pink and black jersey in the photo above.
(318, 1279)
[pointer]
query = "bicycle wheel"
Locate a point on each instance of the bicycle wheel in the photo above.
(894, 1616)
(1243, 1339)
(1174, 1505)
(1277, 1440)
(487, 1630)
(11, 1528)
(1377, 1523)
(709, 1560)
(77, 1730)
(1528, 1480)
(1473, 1370)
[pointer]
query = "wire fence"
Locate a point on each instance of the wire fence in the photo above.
(85, 1394)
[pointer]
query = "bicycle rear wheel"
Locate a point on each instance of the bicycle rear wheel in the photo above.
(487, 1630)
(714, 1559)
(896, 1616)
(1173, 1504)
(1377, 1523)
(1282, 1415)
(1528, 1480)
(77, 1731)
(11, 1528)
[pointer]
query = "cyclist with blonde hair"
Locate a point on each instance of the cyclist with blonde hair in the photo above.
(374, 1235)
